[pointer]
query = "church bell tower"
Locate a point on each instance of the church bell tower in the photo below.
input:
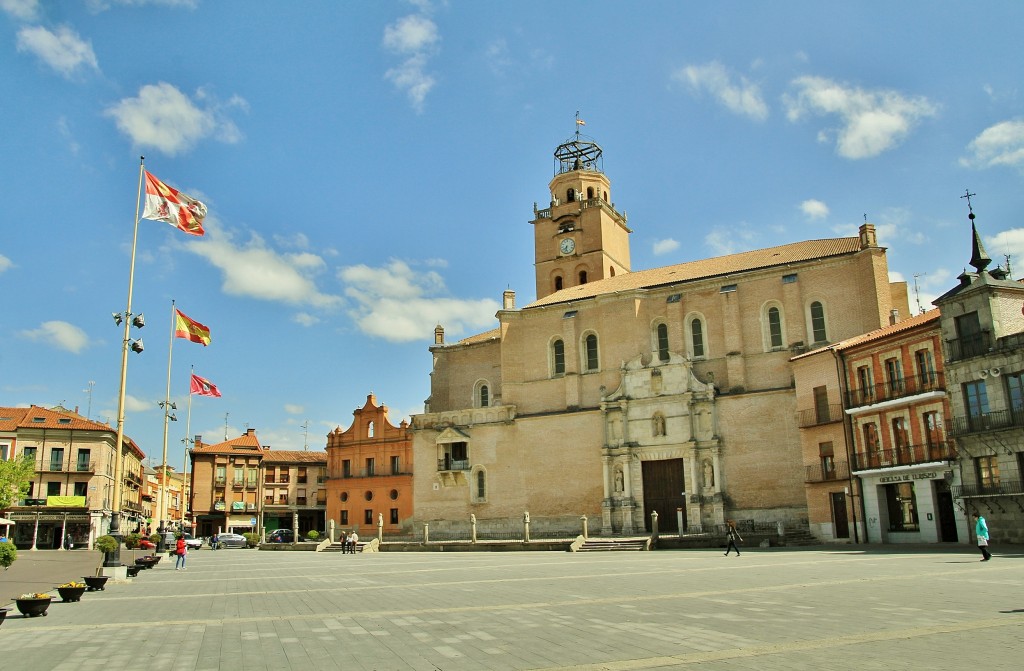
(581, 237)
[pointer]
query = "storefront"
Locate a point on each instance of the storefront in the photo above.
(912, 504)
(49, 527)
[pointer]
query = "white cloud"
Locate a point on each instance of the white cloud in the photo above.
(1007, 242)
(103, 5)
(5, 263)
(305, 319)
(26, 10)
(738, 96)
(398, 304)
(1001, 144)
(731, 240)
(65, 131)
(165, 118)
(59, 334)
(133, 404)
(293, 409)
(814, 209)
(665, 246)
(414, 37)
(410, 34)
(255, 270)
(64, 50)
(871, 121)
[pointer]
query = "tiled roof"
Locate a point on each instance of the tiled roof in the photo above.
(36, 417)
(706, 268)
(878, 334)
(294, 456)
(481, 337)
(247, 442)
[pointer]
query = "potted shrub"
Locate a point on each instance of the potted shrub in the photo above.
(131, 541)
(312, 535)
(8, 553)
(106, 544)
(33, 604)
(71, 591)
(251, 540)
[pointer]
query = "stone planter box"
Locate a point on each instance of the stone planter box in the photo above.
(133, 571)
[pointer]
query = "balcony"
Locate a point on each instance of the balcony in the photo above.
(895, 389)
(219, 505)
(251, 484)
(269, 478)
(1001, 488)
(818, 472)
(970, 346)
(905, 456)
(819, 416)
(84, 467)
(996, 420)
(237, 484)
(448, 464)
(54, 466)
(220, 481)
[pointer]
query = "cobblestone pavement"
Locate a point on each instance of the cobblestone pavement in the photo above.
(775, 609)
(42, 570)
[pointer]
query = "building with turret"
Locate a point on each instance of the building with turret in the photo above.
(620, 393)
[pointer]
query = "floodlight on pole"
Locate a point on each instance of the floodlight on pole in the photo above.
(136, 346)
(118, 319)
(139, 321)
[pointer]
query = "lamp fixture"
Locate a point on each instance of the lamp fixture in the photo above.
(137, 346)
(139, 321)
(117, 318)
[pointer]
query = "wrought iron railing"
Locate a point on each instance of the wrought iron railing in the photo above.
(893, 389)
(1001, 488)
(989, 421)
(453, 464)
(817, 416)
(905, 456)
(822, 473)
(966, 347)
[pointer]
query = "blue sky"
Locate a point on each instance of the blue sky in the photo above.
(370, 170)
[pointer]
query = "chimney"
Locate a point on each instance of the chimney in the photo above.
(894, 316)
(508, 300)
(438, 335)
(250, 432)
(867, 236)
(198, 442)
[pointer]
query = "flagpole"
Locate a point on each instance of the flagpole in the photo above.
(167, 418)
(188, 424)
(114, 558)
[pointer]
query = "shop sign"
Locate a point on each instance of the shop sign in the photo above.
(930, 475)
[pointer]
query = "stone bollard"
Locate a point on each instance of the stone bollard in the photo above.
(331, 531)
(654, 525)
(679, 521)
(526, 527)
(583, 521)
(426, 534)
(472, 528)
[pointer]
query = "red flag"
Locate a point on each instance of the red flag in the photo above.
(170, 205)
(190, 329)
(204, 387)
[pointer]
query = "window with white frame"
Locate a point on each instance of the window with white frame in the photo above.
(557, 357)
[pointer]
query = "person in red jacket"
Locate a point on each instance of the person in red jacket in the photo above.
(181, 551)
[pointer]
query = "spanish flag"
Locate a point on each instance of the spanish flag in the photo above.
(190, 329)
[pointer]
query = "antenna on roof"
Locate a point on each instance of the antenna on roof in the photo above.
(1009, 270)
(305, 436)
(226, 426)
(917, 292)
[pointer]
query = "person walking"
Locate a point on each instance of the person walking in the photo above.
(344, 541)
(353, 541)
(732, 535)
(981, 531)
(180, 550)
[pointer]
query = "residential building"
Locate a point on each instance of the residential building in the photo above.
(873, 417)
(369, 472)
(74, 478)
(621, 393)
(983, 333)
(240, 486)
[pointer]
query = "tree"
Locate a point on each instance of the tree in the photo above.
(15, 475)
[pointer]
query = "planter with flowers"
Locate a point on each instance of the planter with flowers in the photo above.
(71, 591)
(33, 604)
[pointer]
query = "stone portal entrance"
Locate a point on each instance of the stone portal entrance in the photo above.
(664, 482)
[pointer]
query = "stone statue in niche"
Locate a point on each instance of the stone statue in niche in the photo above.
(709, 474)
(619, 484)
(659, 425)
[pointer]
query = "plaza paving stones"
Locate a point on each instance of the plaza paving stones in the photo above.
(801, 609)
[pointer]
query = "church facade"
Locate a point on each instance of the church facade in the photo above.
(620, 393)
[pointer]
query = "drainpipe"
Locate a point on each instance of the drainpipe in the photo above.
(848, 440)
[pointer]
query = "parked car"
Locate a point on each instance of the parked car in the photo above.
(146, 544)
(171, 540)
(281, 536)
(231, 541)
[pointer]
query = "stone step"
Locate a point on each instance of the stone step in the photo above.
(614, 545)
(338, 547)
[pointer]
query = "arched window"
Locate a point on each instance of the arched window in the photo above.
(558, 357)
(697, 338)
(481, 485)
(481, 394)
(662, 334)
(818, 322)
(570, 195)
(590, 353)
(558, 282)
(484, 396)
(774, 328)
(583, 277)
(369, 430)
(590, 192)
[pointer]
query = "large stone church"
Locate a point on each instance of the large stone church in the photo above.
(619, 392)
